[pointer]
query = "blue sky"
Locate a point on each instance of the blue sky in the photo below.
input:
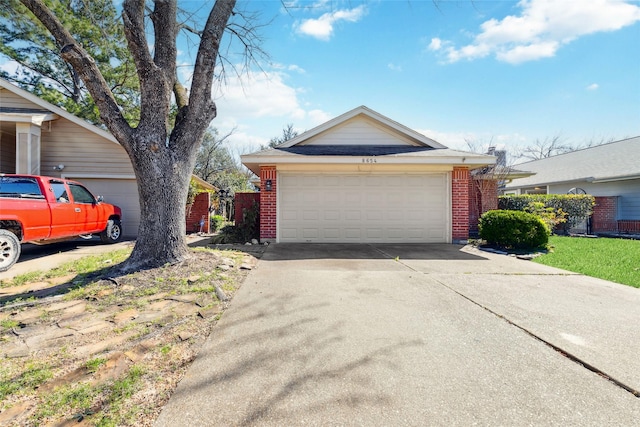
(502, 71)
(505, 72)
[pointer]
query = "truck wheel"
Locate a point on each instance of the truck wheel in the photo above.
(9, 249)
(113, 232)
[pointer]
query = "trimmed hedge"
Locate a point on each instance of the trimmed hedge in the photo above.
(513, 229)
(577, 207)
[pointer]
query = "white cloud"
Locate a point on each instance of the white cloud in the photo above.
(290, 67)
(258, 106)
(436, 44)
(260, 94)
(322, 27)
(593, 86)
(541, 28)
(394, 67)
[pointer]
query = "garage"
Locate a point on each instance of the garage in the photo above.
(119, 192)
(364, 178)
(367, 208)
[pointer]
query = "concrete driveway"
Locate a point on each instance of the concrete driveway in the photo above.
(415, 335)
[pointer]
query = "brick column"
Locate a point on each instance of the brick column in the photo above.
(268, 203)
(605, 213)
(460, 204)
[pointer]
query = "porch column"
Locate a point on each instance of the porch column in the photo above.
(268, 199)
(27, 148)
(460, 204)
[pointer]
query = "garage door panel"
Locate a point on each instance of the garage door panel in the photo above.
(332, 233)
(309, 215)
(331, 215)
(288, 233)
(351, 181)
(394, 215)
(310, 233)
(364, 208)
(352, 215)
(374, 233)
(375, 215)
(290, 215)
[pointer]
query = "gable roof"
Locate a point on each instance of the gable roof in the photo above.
(360, 133)
(10, 114)
(413, 137)
(614, 161)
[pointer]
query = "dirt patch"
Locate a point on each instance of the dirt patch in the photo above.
(112, 351)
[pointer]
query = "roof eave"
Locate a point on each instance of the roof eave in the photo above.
(56, 110)
(253, 162)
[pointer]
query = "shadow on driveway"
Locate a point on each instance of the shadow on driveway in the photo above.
(343, 251)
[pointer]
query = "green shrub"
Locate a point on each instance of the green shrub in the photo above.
(513, 229)
(244, 232)
(574, 207)
(550, 216)
(216, 222)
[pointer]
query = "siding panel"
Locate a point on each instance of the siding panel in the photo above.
(360, 131)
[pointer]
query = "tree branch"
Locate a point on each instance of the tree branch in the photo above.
(87, 69)
(200, 100)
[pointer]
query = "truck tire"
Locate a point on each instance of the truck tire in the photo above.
(113, 232)
(9, 249)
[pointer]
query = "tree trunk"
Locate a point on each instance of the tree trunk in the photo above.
(163, 184)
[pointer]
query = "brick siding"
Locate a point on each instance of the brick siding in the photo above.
(629, 226)
(605, 213)
(460, 203)
(268, 203)
(480, 203)
(244, 201)
(199, 208)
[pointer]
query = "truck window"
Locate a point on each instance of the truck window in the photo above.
(60, 191)
(20, 187)
(81, 194)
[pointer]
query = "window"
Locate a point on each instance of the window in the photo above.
(60, 191)
(20, 187)
(81, 194)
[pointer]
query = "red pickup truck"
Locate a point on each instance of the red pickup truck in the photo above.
(41, 209)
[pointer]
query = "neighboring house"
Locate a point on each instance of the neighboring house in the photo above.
(363, 177)
(39, 138)
(610, 172)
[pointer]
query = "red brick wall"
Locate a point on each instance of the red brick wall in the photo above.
(244, 201)
(604, 218)
(605, 213)
(199, 208)
(483, 196)
(631, 226)
(268, 203)
(460, 203)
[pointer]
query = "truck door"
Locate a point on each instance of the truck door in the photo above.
(88, 213)
(62, 211)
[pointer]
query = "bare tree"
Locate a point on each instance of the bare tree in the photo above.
(488, 180)
(162, 156)
(541, 149)
(213, 157)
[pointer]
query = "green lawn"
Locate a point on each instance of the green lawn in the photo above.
(617, 260)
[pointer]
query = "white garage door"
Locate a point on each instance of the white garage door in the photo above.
(377, 208)
(119, 192)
